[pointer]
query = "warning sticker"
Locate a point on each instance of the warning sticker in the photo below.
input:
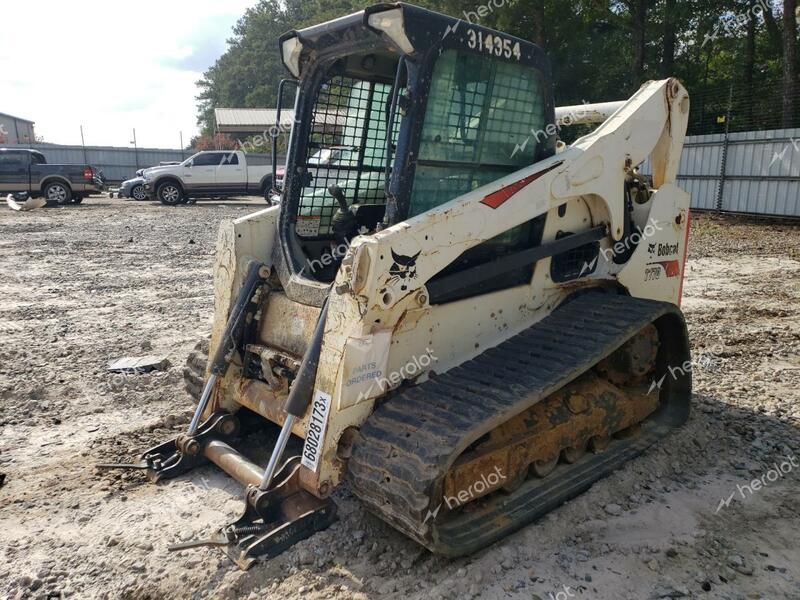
(307, 226)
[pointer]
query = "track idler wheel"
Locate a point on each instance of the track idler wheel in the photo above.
(543, 468)
(634, 360)
(582, 415)
(516, 481)
(573, 454)
(599, 443)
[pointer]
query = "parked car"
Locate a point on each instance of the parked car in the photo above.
(23, 170)
(210, 174)
(133, 188)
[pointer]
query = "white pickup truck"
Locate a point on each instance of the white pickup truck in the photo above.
(210, 174)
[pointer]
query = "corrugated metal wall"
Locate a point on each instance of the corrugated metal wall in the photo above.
(117, 164)
(752, 172)
(15, 131)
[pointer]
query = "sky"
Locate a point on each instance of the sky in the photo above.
(111, 66)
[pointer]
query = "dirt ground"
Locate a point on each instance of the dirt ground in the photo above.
(82, 285)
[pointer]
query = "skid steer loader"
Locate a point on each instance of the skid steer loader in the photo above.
(469, 320)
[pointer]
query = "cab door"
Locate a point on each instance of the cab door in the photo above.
(231, 174)
(14, 171)
(201, 176)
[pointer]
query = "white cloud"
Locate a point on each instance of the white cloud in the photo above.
(111, 66)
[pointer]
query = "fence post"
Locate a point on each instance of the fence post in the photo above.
(724, 158)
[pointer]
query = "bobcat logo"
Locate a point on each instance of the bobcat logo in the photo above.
(403, 269)
(651, 248)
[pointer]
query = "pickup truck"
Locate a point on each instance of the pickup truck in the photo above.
(24, 171)
(210, 174)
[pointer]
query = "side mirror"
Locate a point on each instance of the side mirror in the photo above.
(189, 165)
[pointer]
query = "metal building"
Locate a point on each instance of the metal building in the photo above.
(252, 121)
(262, 122)
(16, 130)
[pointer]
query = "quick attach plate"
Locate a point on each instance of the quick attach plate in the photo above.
(272, 521)
(181, 454)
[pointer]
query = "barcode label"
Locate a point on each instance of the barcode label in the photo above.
(315, 434)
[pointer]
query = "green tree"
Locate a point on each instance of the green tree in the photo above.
(599, 49)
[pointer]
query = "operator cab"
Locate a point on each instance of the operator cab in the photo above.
(399, 110)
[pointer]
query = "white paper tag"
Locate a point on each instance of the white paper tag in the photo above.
(365, 362)
(307, 225)
(315, 433)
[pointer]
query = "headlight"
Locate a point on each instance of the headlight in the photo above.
(290, 54)
(391, 23)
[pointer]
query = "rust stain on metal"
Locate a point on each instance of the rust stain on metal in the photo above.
(288, 325)
(258, 397)
(588, 408)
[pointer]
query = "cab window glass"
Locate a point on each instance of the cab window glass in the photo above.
(10, 160)
(211, 159)
(478, 123)
(230, 159)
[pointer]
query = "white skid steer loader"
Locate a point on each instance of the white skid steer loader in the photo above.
(466, 319)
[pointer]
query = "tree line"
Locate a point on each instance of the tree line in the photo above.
(736, 57)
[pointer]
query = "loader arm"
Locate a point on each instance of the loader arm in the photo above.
(652, 123)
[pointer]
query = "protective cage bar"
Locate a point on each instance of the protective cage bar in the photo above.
(346, 147)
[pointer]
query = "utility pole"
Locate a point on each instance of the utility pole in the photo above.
(182, 156)
(135, 149)
(83, 145)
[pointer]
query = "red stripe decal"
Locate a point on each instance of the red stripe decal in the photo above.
(496, 199)
(672, 268)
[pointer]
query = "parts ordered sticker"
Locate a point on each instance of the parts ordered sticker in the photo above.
(364, 373)
(315, 434)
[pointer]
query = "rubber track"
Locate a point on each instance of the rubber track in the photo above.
(194, 371)
(407, 445)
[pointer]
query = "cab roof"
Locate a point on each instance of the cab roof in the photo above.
(399, 29)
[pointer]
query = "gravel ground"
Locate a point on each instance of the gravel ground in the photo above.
(86, 284)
